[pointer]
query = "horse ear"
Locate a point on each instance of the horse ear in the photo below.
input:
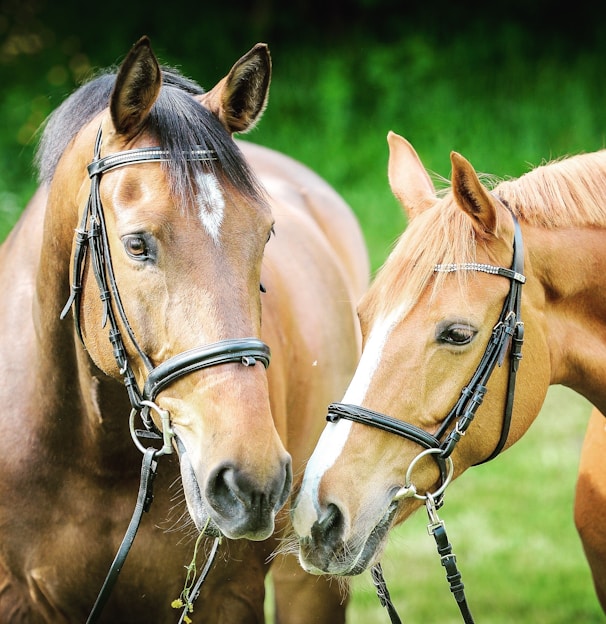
(408, 179)
(137, 86)
(239, 99)
(470, 195)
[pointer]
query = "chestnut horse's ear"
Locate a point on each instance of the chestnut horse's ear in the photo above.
(239, 99)
(471, 196)
(408, 179)
(137, 86)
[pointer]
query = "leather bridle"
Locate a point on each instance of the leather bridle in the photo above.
(507, 334)
(91, 239)
(91, 236)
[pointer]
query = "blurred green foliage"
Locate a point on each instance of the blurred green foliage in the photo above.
(505, 89)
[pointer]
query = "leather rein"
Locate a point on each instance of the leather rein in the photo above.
(507, 335)
(91, 240)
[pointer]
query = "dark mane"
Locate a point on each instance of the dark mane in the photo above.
(177, 121)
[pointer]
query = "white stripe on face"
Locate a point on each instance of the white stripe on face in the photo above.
(333, 438)
(211, 205)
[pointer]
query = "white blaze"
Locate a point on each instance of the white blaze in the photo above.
(335, 435)
(211, 204)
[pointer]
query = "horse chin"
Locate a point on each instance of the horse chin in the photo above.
(347, 560)
(193, 497)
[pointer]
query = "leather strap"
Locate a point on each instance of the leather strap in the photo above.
(144, 500)
(144, 154)
(376, 572)
(365, 416)
(245, 350)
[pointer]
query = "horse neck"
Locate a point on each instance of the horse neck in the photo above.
(570, 265)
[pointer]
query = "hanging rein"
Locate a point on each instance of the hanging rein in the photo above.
(507, 334)
(91, 239)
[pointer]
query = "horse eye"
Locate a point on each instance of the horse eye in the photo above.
(135, 247)
(272, 232)
(457, 334)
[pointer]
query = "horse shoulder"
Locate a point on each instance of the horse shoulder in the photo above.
(295, 187)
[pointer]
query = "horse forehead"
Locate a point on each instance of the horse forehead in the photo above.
(142, 195)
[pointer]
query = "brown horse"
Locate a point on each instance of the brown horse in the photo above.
(174, 225)
(441, 317)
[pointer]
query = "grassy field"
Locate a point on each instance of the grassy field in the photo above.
(510, 521)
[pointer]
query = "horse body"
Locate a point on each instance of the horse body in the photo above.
(426, 321)
(188, 270)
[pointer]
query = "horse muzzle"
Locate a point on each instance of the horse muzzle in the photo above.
(232, 502)
(328, 550)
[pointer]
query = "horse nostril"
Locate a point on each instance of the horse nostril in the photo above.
(223, 490)
(329, 527)
(229, 489)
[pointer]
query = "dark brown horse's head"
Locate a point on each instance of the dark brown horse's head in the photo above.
(186, 238)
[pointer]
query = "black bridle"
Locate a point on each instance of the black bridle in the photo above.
(91, 239)
(507, 335)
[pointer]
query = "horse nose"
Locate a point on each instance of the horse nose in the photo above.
(324, 543)
(328, 529)
(242, 506)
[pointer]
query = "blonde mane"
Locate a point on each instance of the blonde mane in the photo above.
(564, 193)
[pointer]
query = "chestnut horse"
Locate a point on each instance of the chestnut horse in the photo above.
(455, 299)
(174, 230)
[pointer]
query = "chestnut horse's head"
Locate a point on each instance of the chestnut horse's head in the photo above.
(174, 224)
(427, 321)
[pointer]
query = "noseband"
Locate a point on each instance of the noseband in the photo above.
(507, 334)
(91, 238)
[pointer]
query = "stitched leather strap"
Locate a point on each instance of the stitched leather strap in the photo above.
(144, 500)
(246, 351)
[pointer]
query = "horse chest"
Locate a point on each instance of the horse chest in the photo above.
(57, 550)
